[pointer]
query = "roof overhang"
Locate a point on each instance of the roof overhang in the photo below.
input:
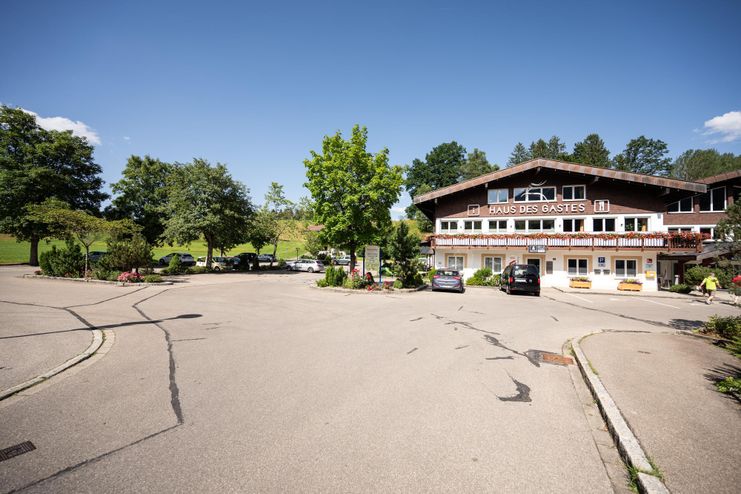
(637, 178)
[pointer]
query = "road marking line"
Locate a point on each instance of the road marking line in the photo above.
(659, 303)
(580, 298)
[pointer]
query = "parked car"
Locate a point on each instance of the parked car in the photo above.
(245, 260)
(521, 278)
(448, 279)
(185, 259)
(266, 258)
(310, 265)
(218, 263)
(343, 261)
(96, 255)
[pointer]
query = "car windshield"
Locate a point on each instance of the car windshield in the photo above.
(525, 270)
(447, 272)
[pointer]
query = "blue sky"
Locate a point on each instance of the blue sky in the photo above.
(256, 85)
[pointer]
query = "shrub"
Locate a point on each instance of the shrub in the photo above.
(113, 276)
(175, 266)
(729, 385)
(152, 278)
(725, 327)
(355, 281)
(321, 283)
(129, 277)
(431, 274)
(335, 276)
(694, 275)
(68, 262)
(129, 254)
(484, 277)
(281, 264)
(197, 270)
(104, 268)
(398, 284)
(632, 281)
(580, 278)
(680, 288)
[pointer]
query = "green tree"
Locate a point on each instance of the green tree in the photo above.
(729, 229)
(441, 167)
(695, 164)
(556, 149)
(413, 212)
(538, 149)
(591, 151)
(35, 165)
(643, 155)
(476, 165)
(520, 154)
(131, 253)
(313, 243)
(205, 201)
(304, 209)
(141, 195)
(404, 249)
(353, 190)
(262, 229)
(276, 202)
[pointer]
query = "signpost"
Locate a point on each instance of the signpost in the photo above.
(372, 261)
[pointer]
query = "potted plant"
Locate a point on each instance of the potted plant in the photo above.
(580, 282)
(630, 285)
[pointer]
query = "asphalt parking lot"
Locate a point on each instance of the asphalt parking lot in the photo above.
(262, 382)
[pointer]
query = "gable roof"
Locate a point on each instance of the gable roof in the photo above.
(720, 178)
(568, 167)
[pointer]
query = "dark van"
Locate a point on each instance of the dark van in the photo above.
(521, 278)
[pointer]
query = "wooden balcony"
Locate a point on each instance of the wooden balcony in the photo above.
(667, 242)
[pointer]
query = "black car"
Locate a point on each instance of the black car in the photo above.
(245, 261)
(521, 278)
(447, 279)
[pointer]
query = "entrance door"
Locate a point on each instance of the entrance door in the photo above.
(534, 261)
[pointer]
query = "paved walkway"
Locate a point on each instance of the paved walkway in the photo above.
(722, 296)
(663, 385)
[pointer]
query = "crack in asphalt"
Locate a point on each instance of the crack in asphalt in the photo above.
(466, 324)
(522, 395)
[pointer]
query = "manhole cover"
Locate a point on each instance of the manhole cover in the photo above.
(16, 450)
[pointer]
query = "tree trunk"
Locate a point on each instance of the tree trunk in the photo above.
(33, 259)
(209, 252)
(353, 259)
(275, 250)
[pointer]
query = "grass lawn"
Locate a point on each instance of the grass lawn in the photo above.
(12, 252)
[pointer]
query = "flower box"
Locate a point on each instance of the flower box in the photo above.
(580, 283)
(630, 286)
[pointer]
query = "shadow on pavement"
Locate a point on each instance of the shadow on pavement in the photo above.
(685, 324)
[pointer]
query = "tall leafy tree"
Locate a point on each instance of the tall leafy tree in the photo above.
(35, 165)
(539, 149)
(141, 194)
(476, 165)
(204, 201)
(276, 201)
(643, 155)
(591, 151)
(440, 168)
(694, 164)
(520, 154)
(353, 190)
(556, 149)
(729, 229)
(413, 212)
(404, 247)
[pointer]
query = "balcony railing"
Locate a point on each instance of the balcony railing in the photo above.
(669, 242)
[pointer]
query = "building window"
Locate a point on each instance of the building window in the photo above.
(715, 200)
(626, 268)
(498, 226)
(683, 206)
(494, 263)
(549, 267)
(573, 225)
(535, 194)
(574, 192)
(636, 224)
(708, 232)
(535, 225)
(455, 262)
(448, 226)
(603, 224)
(472, 226)
(498, 196)
(577, 267)
(680, 229)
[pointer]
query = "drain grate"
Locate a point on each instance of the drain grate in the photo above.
(17, 450)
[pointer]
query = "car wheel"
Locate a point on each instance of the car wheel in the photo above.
(217, 269)
(310, 270)
(537, 294)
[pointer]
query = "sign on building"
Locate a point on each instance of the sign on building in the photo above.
(536, 249)
(602, 206)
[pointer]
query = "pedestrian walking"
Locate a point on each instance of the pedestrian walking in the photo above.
(736, 288)
(711, 284)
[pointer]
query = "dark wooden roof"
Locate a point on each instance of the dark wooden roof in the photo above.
(720, 178)
(567, 167)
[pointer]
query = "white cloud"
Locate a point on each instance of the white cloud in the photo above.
(727, 125)
(126, 138)
(61, 123)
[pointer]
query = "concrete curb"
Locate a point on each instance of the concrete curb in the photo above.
(360, 291)
(630, 294)
(98, 340)
(104, 282)
(626, 442)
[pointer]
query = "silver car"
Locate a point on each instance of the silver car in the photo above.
(448, 279)
(309, 265)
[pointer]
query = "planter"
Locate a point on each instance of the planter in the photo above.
(580, 284)
(629, 287)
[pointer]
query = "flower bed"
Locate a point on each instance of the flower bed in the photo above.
(580, 282)
(630, 285)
